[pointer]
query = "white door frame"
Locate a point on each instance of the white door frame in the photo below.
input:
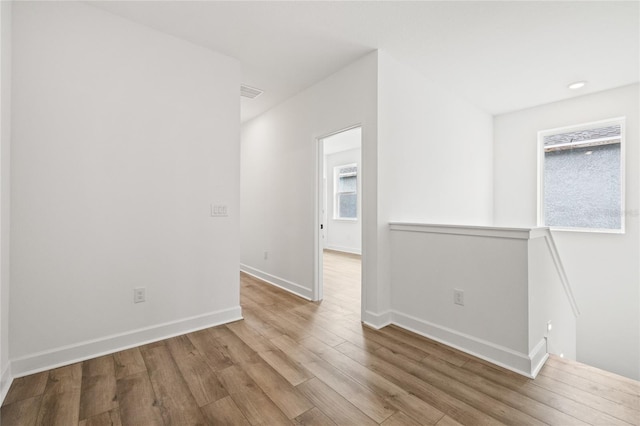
(317, 293)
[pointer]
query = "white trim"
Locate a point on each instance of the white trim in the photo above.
(538, 357)
(566, 285)
(336, 194)
(6, 379)
(622, 121)
(377, 321)
(583, 126)
(289, 286)
(344, 249)
(499, 355)
(318, 218)
(65, 355)
(478, 231)
(318, 243)
(585, 143)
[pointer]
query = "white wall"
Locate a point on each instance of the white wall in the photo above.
(5, 191)
(429, 159)
(434, 160)
(343, 235)
(122, 138)
(550, 299)
(435, 151)
(279, 171)
(511, 287)
(603, 268)
(429, 265)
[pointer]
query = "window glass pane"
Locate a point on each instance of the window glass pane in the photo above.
(347, 184)
(347, 206)
(582, 187)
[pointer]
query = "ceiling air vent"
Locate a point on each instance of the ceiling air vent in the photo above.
(250, 92)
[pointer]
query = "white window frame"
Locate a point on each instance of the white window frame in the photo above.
(336, 194)
(540, 190)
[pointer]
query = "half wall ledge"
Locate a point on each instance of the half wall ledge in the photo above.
(517, 304)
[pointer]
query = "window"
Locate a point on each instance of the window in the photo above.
(581, 183)
(345, 189)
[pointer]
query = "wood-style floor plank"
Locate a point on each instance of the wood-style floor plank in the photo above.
(99, 394)
(333, 405)
(435, 397)
(292, 371)
(606, 391)
(21, 413)
(224, 412)
(177, 404)
(213, 352)
(137, 401)
(250, 399)
(291, 361)
(367, 401)
(459, 390)
(278, 389)
(632, 387)
(110, 418)
(61, 399)
(250, 337)
(26, 387)
(128, 362)
(198, 375)
(527, 387)
(601, 404)
(400, 419)
(314, 417)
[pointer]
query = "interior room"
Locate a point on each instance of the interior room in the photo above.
(173, 181)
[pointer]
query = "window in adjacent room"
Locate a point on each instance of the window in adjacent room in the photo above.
(581, 184)
(346, 192)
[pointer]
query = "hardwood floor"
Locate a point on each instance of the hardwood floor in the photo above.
(295, 362)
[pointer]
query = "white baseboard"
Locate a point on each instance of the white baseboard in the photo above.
(504, 357)
(70, 354)
(377, 321)
(538, 357)
(5, 382)
(343, 249)
(289, 286)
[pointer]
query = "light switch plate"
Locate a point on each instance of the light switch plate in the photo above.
(219, 210)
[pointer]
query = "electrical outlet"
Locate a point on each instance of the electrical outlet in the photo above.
(458, 297)
(139, 294)
(266, 255)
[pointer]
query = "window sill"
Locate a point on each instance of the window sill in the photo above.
(344, 219)
(588, 230)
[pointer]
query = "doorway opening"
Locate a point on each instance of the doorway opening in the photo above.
(339, 224)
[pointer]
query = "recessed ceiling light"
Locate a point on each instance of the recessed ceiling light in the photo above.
(588, 153)
(577, 85)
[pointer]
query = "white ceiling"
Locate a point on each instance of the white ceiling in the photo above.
(501, 56)
(343, 141)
